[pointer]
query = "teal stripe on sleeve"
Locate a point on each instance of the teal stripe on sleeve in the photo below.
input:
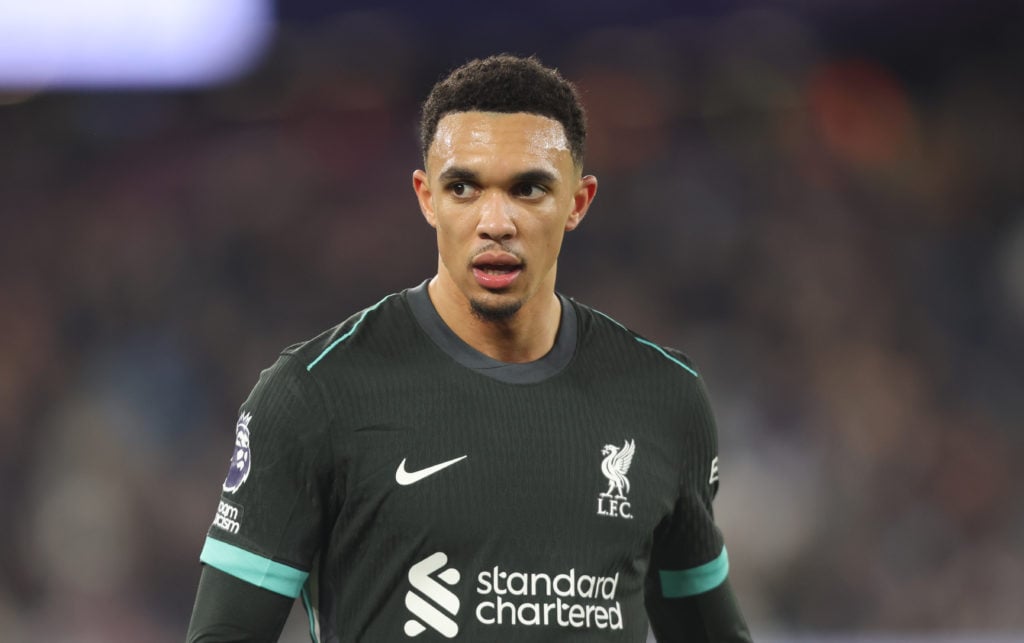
(665, 354)
(645, 342)
(309, 612)
(252, 568)
(352, 330)
(696, 580)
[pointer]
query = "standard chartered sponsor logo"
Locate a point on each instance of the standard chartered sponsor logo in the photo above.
(424, 585)
(565, 600)
(511, 598)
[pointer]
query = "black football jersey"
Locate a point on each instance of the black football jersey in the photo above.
(408, 487)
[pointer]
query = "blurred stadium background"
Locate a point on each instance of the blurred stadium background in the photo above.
(822, 203)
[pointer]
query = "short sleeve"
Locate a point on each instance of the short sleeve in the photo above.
(270, 517)
(689, 555)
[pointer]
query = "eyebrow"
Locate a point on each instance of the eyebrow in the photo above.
(456, 173)
(535, 176)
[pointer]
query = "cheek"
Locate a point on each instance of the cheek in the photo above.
(450, 228)
(451, 236)
(550, 238)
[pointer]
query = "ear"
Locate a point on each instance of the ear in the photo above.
(421, 186)
(581, 200)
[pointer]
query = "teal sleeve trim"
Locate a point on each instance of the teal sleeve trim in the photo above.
(254, 569)
(696, 580)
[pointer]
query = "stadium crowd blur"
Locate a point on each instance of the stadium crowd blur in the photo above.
(834, 233)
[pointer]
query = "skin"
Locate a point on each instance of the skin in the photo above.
(502, 183)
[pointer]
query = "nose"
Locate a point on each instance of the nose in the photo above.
(497, 220)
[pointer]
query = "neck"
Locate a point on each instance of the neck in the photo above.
(526, 336)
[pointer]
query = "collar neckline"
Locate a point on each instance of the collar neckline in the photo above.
(512, 373)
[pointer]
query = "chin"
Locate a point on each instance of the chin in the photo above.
(494, 311)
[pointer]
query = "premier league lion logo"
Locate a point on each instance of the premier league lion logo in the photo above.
(241, 459)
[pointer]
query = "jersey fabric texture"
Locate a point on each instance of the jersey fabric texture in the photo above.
(408, 487)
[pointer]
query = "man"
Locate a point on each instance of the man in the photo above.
(478, 458)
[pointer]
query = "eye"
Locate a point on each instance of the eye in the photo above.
(462, 189)
(529, 190)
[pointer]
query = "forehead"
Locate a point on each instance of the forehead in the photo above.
(498, 139)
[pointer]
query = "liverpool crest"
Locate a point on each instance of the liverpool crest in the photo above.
(615, 466)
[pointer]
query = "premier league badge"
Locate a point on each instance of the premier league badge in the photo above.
(241, 459)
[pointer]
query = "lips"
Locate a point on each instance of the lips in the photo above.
(496, 270)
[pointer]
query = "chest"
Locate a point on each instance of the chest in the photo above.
(544, 466)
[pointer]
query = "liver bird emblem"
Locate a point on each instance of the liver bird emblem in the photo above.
(615, 466)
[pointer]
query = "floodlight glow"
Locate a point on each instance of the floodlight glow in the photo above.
(128, 43)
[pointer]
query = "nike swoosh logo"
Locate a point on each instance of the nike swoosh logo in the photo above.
(404, 477)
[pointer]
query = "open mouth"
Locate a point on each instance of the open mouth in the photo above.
(496, 277)
(492, 269)
(496, 271)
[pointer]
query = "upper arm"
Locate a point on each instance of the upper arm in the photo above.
(688, 554)
(687, 591)
(271, 514)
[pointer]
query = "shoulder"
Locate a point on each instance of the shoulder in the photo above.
(660, 379)
(296, 388)
(602, 329)
(368, 324)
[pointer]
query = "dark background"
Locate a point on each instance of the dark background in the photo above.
(820, 202)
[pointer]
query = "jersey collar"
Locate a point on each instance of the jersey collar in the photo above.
(512, 373)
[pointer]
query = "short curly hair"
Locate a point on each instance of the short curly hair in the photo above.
(507, 84)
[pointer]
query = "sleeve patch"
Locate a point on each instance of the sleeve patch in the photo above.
(252, 568)
(229, 517)
(696, 580)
